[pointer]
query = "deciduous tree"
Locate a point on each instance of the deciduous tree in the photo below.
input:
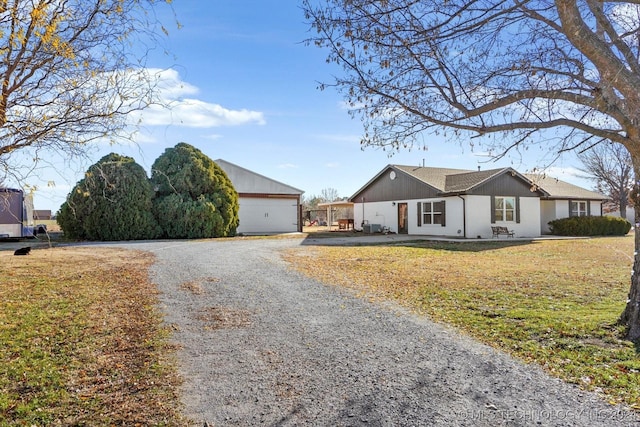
(610, 166)
(70, 73)
(508, 74)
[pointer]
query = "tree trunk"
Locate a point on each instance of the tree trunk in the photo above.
(631, 315)
(623, 206)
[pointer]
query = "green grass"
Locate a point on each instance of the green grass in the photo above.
(554, 303)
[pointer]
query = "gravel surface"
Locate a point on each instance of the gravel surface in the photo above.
(263, 345)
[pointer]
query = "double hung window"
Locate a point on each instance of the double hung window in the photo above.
(578, 208)
(432, 213)
(505, 209)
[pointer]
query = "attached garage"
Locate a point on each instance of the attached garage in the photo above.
(266, 205)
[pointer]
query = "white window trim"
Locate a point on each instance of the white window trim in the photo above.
(505, 210)
(431, 214)
(579, 211)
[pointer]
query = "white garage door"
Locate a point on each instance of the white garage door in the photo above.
(268, 215)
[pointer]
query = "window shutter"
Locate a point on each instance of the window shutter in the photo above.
(444, 212)
(570, 213)
(588, 208)
(419, 214)
(518, 209)
(493, 209)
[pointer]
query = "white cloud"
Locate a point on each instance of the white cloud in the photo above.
(287, 166)
(332, 165)
(177, 106)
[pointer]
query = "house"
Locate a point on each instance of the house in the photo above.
(266, 206)
(466, 204)
(41, 214)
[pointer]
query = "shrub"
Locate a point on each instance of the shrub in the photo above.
(194, 196)
(590, 226)
(112, 202)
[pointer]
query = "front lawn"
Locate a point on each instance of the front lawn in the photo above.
(82, 341)
(554, 303)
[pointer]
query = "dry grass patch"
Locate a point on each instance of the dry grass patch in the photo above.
(555, 303)
(82, 341)
(224, 317)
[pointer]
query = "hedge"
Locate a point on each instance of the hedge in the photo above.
(590, 226)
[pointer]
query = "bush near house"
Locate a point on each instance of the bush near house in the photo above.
(194, 196)
(590, 226)
(112, 202)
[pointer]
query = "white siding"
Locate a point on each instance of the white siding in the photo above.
(386, 214)
(478, 221)
(548, 213)
(595, 208)
(267, 215)
(562, 209)
(383, 213)
(479, 217)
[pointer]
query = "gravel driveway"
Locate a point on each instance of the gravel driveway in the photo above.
(263, 345)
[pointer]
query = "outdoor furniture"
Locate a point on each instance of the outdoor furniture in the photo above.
(345, 224)
(498, 230)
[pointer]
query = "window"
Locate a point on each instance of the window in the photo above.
(578, 209)
(505, 209)
(432, 213)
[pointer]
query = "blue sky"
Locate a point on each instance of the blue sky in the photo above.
(244, 89)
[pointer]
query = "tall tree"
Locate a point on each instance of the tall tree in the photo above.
(329, 194)
(566, 72)
(610, 166)
(112, 202)
(70, 72)
(194, 196)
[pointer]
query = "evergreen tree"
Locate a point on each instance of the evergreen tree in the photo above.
(194, 196)
(112, 202)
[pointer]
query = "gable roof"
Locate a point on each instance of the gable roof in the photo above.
(249, 182)
(435, 177)
(459, 181)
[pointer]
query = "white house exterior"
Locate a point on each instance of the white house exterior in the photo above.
(266, 206)
(466, 204)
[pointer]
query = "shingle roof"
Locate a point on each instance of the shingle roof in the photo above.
(435, 177)
(466, 181)
(562, 189)
(448, 180)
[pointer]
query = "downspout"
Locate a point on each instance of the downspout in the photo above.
(464, 216)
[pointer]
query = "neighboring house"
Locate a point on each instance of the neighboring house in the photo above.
(266, 206)
(463, 203)
(40, 215)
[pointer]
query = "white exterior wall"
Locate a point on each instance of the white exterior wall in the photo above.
(595, 208)
(548, 213)
(479, 216)
(383, 213)
(267, 215)
(562, 209)
(386, 214)
(453, 220)
(478, 221)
